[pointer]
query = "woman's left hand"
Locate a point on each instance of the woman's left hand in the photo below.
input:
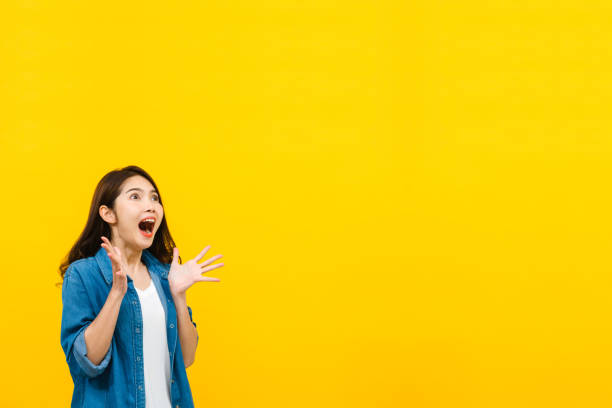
(181, 277)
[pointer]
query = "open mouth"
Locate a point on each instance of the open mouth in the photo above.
(146, 226)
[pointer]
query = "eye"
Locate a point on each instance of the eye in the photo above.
(156, 197)
(134, 194)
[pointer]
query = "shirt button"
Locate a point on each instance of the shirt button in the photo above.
(172, 381)
(138, 330)
(140, 387)
(137, 358)
(133, 302)
(171, 326)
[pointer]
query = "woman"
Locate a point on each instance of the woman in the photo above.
(126, 330)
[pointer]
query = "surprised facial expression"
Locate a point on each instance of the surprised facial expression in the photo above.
(139, 212)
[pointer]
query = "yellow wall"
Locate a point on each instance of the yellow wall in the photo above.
(412, 198)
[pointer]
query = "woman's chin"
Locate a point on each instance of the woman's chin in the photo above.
(144, 241)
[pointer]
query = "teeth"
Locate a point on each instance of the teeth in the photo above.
(147, 228)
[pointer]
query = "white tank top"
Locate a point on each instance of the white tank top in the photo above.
(155, 349)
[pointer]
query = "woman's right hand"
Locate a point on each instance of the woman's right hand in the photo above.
(119, 269)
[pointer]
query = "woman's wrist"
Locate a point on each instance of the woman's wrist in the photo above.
(180, 299)
(115, 295)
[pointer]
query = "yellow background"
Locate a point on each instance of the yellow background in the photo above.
(412, 198)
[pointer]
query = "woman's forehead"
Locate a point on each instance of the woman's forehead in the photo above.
(137, 182)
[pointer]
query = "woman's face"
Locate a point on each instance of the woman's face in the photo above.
(138, 201)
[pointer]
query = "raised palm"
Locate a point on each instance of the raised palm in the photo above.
(182, 276)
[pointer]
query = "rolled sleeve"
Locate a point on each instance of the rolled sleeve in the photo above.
(194, 324)
(79, 350)
(77, 315)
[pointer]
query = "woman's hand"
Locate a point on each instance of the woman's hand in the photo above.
(181, 277)
(119, 267)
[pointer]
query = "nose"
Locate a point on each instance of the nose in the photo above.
(150, 207)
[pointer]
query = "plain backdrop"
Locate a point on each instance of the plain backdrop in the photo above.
(412, 198)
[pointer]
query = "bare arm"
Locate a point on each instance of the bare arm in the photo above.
(99, 333)
(180, 278)
(188, 335)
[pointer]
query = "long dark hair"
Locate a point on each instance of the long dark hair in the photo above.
(107, 191)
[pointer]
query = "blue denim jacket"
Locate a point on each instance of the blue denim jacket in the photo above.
(118, 381)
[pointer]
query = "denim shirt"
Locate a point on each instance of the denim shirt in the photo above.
(118, 381)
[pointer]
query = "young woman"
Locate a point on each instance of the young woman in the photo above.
(126, 329)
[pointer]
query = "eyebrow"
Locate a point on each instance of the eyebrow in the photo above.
(140, 189)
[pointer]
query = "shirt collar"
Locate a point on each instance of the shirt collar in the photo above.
(152, 263)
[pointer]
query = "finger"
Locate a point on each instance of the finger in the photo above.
(210, 268)
(109, 251)
(113, 257)
(211, 260)
(208, 279)
(201, 254)
(104, 244)
(115, 261)
(106, 241)
(175, 255)
(109, 244)
(119, 257)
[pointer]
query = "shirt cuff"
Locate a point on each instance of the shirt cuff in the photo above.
(80, 354)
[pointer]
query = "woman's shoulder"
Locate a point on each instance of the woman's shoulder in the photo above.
(80, 267)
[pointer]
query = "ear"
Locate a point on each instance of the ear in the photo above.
(107, 214)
